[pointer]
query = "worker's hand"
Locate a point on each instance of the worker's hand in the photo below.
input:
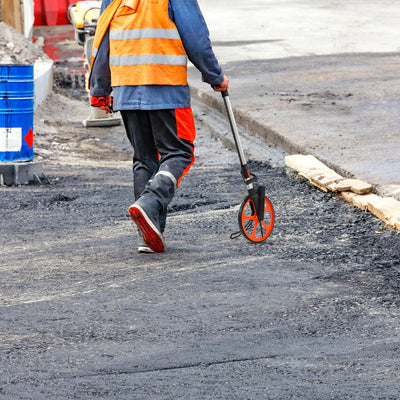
(103, 102)
(224, 85)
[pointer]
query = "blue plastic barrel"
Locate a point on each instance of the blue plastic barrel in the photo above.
(16, 112)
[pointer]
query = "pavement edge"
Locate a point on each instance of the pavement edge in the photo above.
(385, 208)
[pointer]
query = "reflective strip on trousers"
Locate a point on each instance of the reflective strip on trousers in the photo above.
(169, 175)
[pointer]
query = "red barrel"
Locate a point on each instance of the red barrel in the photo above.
(40, 17)
(56, 12)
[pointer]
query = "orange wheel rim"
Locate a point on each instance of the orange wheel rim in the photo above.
(252, 228)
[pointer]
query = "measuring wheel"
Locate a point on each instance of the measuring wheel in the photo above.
(256, 214)
(250, 226)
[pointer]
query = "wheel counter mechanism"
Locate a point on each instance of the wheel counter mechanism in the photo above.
(256, 214)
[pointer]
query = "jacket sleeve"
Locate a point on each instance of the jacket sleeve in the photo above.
(100, 75)
(195, 36)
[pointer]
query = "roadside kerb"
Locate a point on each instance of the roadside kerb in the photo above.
(255, 127)
(354, 191)
(385, 208)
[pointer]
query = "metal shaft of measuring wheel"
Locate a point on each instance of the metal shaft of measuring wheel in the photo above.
(234, 128)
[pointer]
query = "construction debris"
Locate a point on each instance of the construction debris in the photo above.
(354, 191)
(16, 49)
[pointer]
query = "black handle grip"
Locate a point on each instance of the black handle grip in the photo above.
(224, 93)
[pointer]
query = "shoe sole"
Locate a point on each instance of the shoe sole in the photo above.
(151, 235)
(145, 249)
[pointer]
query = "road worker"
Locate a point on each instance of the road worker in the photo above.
(140, 54)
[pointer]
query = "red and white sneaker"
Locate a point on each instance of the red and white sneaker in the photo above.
(146, 218)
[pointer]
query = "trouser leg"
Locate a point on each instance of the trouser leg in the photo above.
(163, 152)
(145, 157)
(174, 133)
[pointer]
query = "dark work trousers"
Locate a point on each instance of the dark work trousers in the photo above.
(163, 152)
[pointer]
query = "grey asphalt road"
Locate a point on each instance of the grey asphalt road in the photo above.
(312, 313)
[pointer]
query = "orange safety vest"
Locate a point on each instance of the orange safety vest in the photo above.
(145, 46)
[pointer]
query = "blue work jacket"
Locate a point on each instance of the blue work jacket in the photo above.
(194, 34)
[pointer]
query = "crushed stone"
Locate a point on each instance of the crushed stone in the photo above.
(15, 48)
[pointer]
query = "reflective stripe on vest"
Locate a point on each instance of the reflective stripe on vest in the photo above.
(149, 33)
(94, 54)
(150, 59)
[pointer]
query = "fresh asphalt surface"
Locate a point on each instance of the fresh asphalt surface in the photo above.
(312, 313)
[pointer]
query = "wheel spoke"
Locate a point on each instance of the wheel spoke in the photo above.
(253, 234)
(249, 217)
(268, 228)
(261, 228)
